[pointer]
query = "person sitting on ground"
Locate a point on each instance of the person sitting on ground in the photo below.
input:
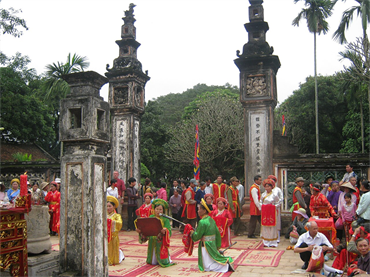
(363, 265)
(308, 240)
(341, 260)
(298, 226)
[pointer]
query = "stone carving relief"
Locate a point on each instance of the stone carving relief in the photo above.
(120, 95)
(138, 96)
(256, 86)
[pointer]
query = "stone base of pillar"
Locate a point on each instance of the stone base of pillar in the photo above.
(38, 238)
(43, 264)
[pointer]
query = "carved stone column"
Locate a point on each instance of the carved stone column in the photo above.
(126, 98)
(84, 130)
(258, 68)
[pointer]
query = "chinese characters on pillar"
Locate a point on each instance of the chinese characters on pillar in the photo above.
(257, 133)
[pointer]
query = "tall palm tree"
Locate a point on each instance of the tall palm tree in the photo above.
(55, 87)
(315, 13)
(363, 10)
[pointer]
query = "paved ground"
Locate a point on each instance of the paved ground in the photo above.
(289, 262)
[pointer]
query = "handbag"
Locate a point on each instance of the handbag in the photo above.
(339, 224)
(294, 234)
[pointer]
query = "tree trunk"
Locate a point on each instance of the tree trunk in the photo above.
(316, 98)
(362, 128)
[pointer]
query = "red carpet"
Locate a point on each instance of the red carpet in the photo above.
(266, 257)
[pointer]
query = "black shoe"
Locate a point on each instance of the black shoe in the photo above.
(305, 265)
(252, 237)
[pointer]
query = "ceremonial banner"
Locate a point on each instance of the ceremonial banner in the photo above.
(284, 130)
(196, 155)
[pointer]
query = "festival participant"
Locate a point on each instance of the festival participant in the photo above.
(175, 204)
(346, 215)
(146, 209)
(298, 200)
(209, 200)
(3, 195)
(348, 255)
(219, 188)
(58, 181)
(333, 195)
(208, 189)
(53, 197)
(298, 226)
(223, 219)
(147, 186)
(363, 211)
(349, 173)
(363, 265)
(158, 246)
(269, 202)
(234, 204)
(255, 206)
(14, 191)
(162, 193)
(327, 187)
(276, 190)
(319, 205)
(189, 210)
(112, 190)
(209, 258)
(114, 225)
(45, 188)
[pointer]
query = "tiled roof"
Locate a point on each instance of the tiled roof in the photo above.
(38, 154)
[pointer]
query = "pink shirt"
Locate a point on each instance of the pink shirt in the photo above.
(162, 194)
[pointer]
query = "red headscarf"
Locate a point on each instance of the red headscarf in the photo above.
(268, 181)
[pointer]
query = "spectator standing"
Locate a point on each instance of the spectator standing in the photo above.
(112, 190)
(175, 204)
(363, 210)
(132, 196)
(333, 195)
(175, 186)
(120, 184)
(349, 173)
(208, 188)
(240, 189)
(162, 192)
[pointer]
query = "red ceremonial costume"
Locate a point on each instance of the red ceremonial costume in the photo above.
(320, 206)
(189, 210)
(223, 221)
(218, 191)
(234, 193)
(145, 210)
(296, 205)
(53, 197)
(253, 208)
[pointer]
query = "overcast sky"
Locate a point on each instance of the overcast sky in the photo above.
(183, 43)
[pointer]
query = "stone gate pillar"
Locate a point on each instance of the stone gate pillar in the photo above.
(126, 98)
(258, 68)
(84, 131)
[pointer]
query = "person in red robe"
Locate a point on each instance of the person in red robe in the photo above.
(53, 197)
(319, 205)
(223, 219)
(189, 210)
(146, 209)
(219, 189)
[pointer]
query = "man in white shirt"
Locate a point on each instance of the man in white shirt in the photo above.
(240, 188)
(308, 240)
(348, 174)
(208, 188)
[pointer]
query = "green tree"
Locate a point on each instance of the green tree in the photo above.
(300, 116)
(23, 116)
(362, 10)
(316, 13)
(55, 87)
(221, 135)
(10, 22)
